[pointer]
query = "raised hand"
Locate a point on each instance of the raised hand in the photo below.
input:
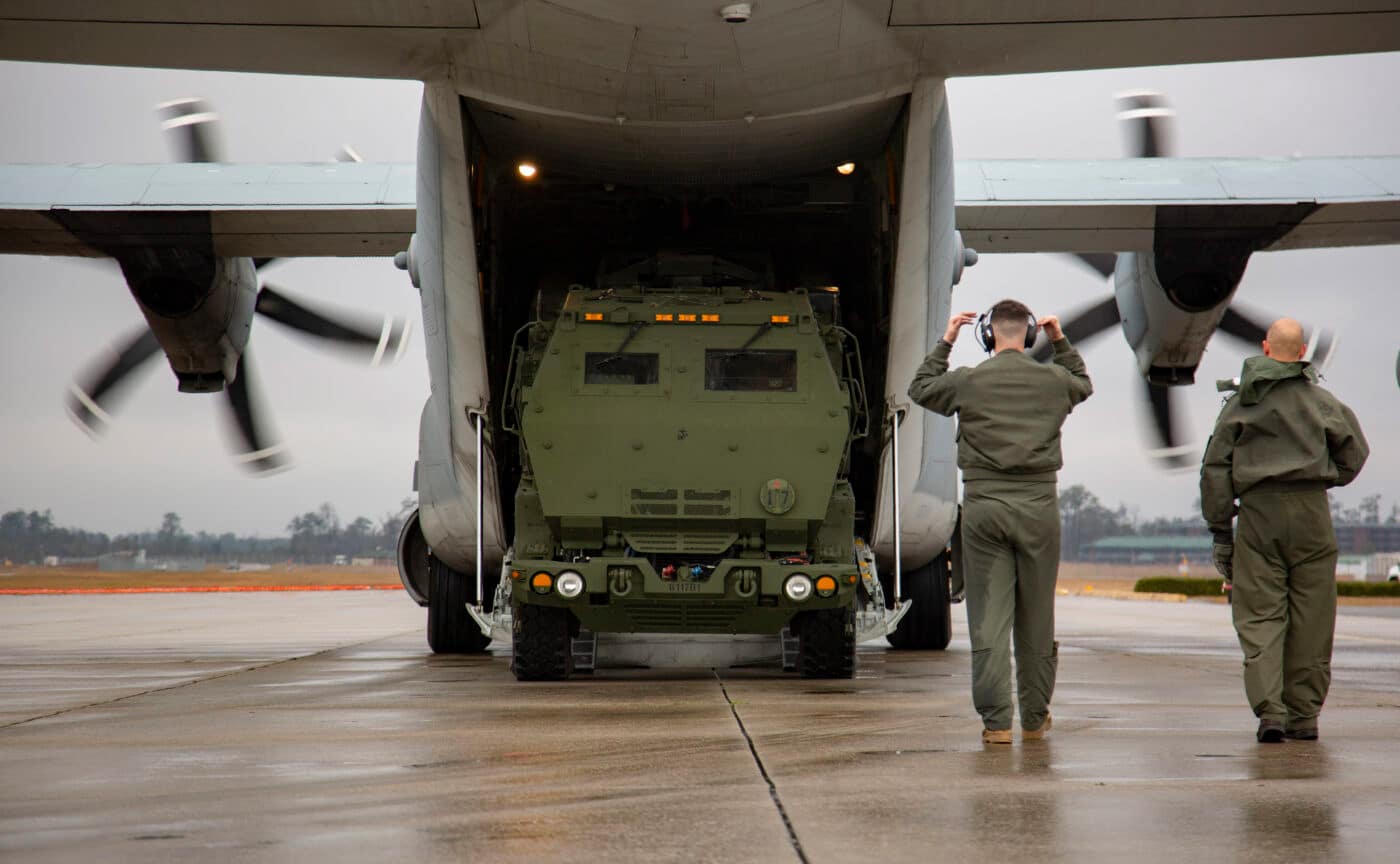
(1051, 325)
(956, 323)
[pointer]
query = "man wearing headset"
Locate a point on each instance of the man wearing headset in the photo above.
(1280, 443)
(1010, 409)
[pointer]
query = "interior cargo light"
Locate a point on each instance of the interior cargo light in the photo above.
(846, 168)
(780, 319)
(709, 318)
(527, 170)
(686, 317)
(665, 316)
(826, 586)
(593, 316)
(542, 582)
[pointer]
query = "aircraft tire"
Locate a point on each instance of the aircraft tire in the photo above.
(450, 629)
(541, 642)
(929, 625)
(826, 644)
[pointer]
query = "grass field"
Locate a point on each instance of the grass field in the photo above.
(69, 578)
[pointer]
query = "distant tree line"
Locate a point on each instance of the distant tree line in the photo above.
(1085, 519)
(314, 537)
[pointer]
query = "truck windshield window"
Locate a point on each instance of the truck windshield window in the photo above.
(737, 369)
(602, 367)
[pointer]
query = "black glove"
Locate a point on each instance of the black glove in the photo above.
(1223, 551)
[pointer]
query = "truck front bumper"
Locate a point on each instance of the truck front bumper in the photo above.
(628, 595)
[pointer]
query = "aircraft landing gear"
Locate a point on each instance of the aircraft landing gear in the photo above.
(929, 624)
(450, 629)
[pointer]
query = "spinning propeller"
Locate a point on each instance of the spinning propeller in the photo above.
(1148, 120)
(92, 398)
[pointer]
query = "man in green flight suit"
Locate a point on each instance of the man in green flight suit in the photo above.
(1010, 409)
(1281, 441)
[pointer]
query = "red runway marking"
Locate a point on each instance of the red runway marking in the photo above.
(198, 589)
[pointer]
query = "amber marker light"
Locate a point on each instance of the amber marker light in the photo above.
(527, 170)
(781, 319)
(665, 316)
(542, 582)
(517, 575)
(593, 316)
(710, 318)
(846, 168)
(826, 586)
(686, 317)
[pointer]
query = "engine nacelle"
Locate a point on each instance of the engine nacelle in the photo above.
(199, 308)
(1172, 299)
(1169, 317)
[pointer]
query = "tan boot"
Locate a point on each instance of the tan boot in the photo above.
(996, 736)
(1037, 734)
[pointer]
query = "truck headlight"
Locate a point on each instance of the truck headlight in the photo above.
(541, 582)
(569, 584)
(798, 587)
(826, 586)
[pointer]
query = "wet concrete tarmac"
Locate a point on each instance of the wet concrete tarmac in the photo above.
(315, 727)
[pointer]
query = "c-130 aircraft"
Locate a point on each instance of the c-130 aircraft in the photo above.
(684, 158)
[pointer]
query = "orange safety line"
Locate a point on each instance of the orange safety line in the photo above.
(198, 589)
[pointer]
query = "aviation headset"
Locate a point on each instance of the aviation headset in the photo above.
(988, 340)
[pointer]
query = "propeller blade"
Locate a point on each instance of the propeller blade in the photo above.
(194, 124)
(1081, 326)
(388, 340)
(1321, 348)
(1244, 327)
(89, 403)
(258, 455)
(1149, 116)
(1170, 453)
(1102, 263)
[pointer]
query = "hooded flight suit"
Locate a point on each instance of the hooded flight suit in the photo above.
(1010, 409)
(1281, 441)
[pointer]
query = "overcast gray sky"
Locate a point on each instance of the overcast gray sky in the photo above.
(353, 430)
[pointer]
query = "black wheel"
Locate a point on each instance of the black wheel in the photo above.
(826, 643)
(928, 626)
(542, 642)
(450, 629)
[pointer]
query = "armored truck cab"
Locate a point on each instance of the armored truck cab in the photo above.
(684, 460)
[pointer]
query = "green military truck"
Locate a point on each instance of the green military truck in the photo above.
(684, 453)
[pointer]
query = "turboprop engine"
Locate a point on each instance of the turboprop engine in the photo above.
(1171, 300)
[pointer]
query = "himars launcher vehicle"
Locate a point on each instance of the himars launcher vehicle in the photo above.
(685, 439)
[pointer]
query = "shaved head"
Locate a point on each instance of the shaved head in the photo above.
(1284, 341)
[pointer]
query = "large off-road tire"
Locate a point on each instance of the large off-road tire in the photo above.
(826, 643)
(450, 629)
(928, 626)
(542, 643)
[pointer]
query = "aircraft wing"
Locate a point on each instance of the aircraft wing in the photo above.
(492, 41)
(367, 209)
(1124, 205)
(260, 211)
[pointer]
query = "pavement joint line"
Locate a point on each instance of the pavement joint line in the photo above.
(763, 772)
(191, 683)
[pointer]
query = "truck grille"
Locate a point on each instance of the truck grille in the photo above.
(694, 542)
(655, 502)
(674, 616)
(671, 502)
